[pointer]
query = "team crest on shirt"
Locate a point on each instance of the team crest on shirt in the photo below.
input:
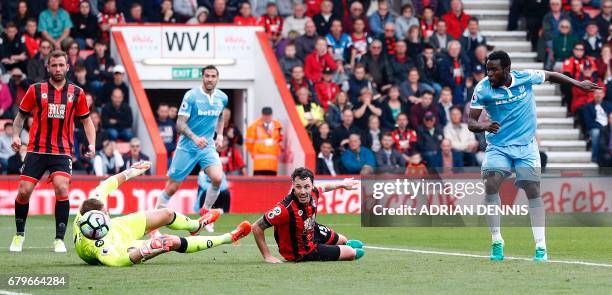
(309, 224)
(56, 111)
(274, 212)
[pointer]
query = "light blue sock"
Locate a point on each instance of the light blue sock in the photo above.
(162, 201)
(494, 220)
(538, 221)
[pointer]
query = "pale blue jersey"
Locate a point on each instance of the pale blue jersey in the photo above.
(203, 112)
(514, 107)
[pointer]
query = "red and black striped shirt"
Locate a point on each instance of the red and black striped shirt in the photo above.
(54, 111)
(294, 225)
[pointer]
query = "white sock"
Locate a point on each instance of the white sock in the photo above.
(212, 193)
(494, 221)
(538, 221)
(162, 201)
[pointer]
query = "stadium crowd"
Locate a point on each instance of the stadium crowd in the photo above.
(379, 85)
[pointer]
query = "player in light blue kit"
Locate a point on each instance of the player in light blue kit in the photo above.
(508, 98)
(199, 117)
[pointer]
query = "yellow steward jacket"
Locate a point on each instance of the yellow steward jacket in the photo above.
(264, 145)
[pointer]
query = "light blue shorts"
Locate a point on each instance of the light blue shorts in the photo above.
(184, 161)
(522, 159)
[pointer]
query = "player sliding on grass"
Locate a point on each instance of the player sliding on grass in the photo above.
(298, 236)
(508, 98)
(121, 245)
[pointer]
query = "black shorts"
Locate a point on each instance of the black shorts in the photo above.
(35, 165)
(323, 252)
(325, 235)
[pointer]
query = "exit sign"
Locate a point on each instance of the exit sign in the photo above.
(186, 73)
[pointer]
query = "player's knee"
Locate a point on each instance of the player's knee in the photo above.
(24, 192)
(341, 240)
(532, 189)
(167, 214)
(61, 190)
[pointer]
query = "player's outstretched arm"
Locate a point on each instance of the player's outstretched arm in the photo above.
(347, 183)
(260, 239)
(559, 78)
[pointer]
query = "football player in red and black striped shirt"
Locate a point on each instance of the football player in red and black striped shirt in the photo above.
(54, 104)
(298, 236)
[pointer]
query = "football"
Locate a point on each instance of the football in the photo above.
(94, 224)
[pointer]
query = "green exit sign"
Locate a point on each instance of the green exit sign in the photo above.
(186, 73)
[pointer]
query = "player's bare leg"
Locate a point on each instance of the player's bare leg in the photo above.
(61, 184)
(22, 206)
(171, 187)
(349, 253)
(158, 218)
(493, 181)
(215, 173)
(537, 216)
(165, 243)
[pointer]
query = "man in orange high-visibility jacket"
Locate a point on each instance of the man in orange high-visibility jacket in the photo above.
(263, 141)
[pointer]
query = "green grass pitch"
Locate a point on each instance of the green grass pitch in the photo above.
(239, 269)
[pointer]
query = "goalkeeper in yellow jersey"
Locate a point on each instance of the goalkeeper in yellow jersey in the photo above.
(122, 246)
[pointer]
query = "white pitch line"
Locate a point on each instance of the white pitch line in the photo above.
(576, 262)
(4, 292)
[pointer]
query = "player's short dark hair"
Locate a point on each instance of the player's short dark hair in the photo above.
(502, 56)
(302, 173)
(210, 67)
(58, 54)
(91, 204)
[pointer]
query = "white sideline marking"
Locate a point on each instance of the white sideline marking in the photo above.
(4, 292)
(576, 262)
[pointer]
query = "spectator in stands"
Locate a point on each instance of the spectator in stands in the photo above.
(595, 116)
(109, 17)
(366, 107)
(424, 106)
(429, 70)
(105, 93)
(421, 6)
(462, 140)
(305, 44)
(430, 137)
(323, 19)
(411, 89)
(377, 67)
(184, 9)
(272, 22)
(388, 39)
(445, 103)
(381, 17)
(231, 159)
(342, 73)
(80, 78)
(533, 12)
(453, 71)
(579, 18)
(360, 40)
(439, 40)
(400, 63)
(37, 66)
(388, 159)
(356, 12)
(245, 18)
(604, 18)
(22, 15)
(173, 112)
(289, 61)
(605, 144)
(99, 66)
(579, 67)
(134, 155)
(339, 42)
(414, 41)
(74, 59)
(108, 161)
(296, 21)
(328, 163)
(298, 81)
(604, 67)
(563, 42)
(136, 14)
(592, 40)
(321, 134)
(201, 16)
(167, 129)
(18, 86)
(12, 49)
(54, 24)
(117, 117)
(372, 134)
(263, 141)
(31, 37)
(6, 151)
(326, 90)
(219, 13)
(86, 29)
(356, 82)
(166, 14)
(317, 61)
(341, 133)
(456, 19)
(358, 159)
(6, 101)
(101, 137)
(450, 159)
(550, 29)
(404, 137)
(428, 24)
(311, 114)
(312, 7)
(471, 39)
(16, 161)
(333, 116)
(406, 20)
(391, 107)
(230, 131)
